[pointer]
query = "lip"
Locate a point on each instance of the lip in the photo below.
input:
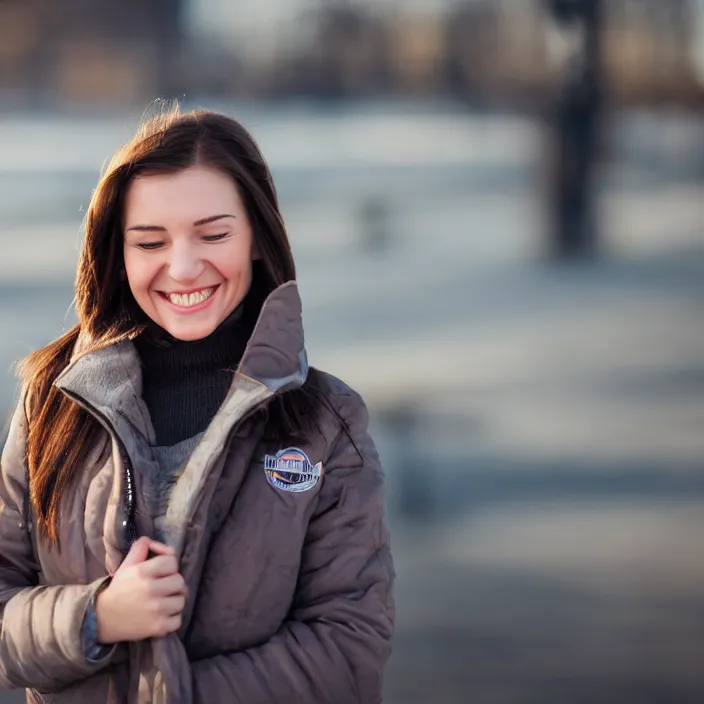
(190, 309)
(185, 291)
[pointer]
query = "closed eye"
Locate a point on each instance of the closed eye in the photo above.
(150, 245)
(147, 246)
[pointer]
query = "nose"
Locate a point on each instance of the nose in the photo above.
(185, 265)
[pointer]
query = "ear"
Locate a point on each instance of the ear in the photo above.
(256, 254)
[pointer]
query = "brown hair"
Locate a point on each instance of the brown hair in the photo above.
(61, 434)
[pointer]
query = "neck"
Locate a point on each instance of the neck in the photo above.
(185, 382)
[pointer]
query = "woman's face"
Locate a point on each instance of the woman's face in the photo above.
(187, 248)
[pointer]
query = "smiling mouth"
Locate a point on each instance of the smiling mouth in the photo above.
(191, 299)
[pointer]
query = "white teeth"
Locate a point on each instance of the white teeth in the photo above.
(186, 300)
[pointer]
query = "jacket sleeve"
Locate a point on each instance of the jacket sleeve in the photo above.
(334, 646)
(40, 626)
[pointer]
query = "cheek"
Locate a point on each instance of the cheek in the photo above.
(138, 276)
(236, 264)
(241, 274)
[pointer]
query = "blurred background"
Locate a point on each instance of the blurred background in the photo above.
(497, 209)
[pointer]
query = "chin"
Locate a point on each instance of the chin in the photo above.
(191, 334)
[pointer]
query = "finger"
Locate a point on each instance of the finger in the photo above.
(138, 552)
(159, 566)
(173, 624)
(170, 585)
(173, 605)
(160, 548)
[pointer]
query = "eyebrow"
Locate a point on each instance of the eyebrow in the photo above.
(159, 228)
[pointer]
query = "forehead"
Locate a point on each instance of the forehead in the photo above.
(194, 193)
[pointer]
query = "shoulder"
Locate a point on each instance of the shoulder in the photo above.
(342, 399)
(335, 388)
(346, 428)
(350, 455)
(13, 467)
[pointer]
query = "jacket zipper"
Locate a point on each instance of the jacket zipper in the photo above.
(128, 521)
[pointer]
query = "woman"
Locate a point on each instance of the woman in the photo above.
(188, 512)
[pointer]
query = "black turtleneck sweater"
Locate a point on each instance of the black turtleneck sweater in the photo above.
(185, 382)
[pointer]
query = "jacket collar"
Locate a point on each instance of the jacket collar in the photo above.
(109, 380)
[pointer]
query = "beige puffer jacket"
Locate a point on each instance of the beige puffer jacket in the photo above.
(287, 562)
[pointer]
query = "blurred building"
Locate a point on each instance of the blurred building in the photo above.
(650, 50)
(478, 50)
(78, 50)
(481, 51)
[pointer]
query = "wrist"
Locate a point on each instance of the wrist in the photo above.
(101, 606)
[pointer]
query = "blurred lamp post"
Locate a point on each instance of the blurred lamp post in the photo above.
(574, 132)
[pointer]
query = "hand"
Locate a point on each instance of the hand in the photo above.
(145, 597)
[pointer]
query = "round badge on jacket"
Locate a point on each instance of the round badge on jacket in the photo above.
(291, 470)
